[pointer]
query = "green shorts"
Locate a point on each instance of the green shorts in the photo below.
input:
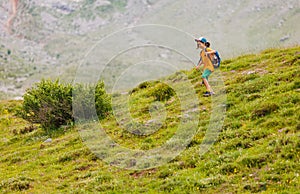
(206, 73)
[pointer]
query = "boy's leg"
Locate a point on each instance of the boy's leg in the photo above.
(208, 88)
(204, 77)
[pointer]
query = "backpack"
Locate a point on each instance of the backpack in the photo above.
(215, 59)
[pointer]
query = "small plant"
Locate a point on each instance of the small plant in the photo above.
(265, 109)
(25, 130)
(16, 184)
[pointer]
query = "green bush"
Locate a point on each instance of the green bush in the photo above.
(102, 101)
(91, 101)
(51, 103)
(48, 103)
(143, 85)
(162, 92)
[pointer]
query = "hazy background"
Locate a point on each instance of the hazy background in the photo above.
(92, 39)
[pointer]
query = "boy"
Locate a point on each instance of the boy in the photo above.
(205, 60)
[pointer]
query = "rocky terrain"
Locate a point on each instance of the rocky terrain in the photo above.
(52, 38)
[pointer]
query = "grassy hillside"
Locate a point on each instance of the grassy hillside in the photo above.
(257, 150)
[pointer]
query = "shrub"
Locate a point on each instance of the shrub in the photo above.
(83, 101)
(48, 103)
(162, 92)
(102, 101)
(91, 101)
(143, 85)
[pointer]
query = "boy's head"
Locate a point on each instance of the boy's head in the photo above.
(201, 42)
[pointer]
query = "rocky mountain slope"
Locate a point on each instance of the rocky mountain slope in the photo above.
(57, 35)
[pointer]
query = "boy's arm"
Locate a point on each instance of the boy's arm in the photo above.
(199, 63)
(211, 51)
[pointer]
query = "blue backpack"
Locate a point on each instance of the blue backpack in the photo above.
(215, 59)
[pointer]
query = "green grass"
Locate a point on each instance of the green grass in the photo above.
(257, 150)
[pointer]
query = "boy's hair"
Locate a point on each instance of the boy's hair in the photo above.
(207, 44)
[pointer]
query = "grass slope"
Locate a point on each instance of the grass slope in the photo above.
(258, 149)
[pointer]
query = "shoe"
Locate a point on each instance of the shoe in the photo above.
(207, 94)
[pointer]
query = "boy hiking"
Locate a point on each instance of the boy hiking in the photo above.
(206, 61)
